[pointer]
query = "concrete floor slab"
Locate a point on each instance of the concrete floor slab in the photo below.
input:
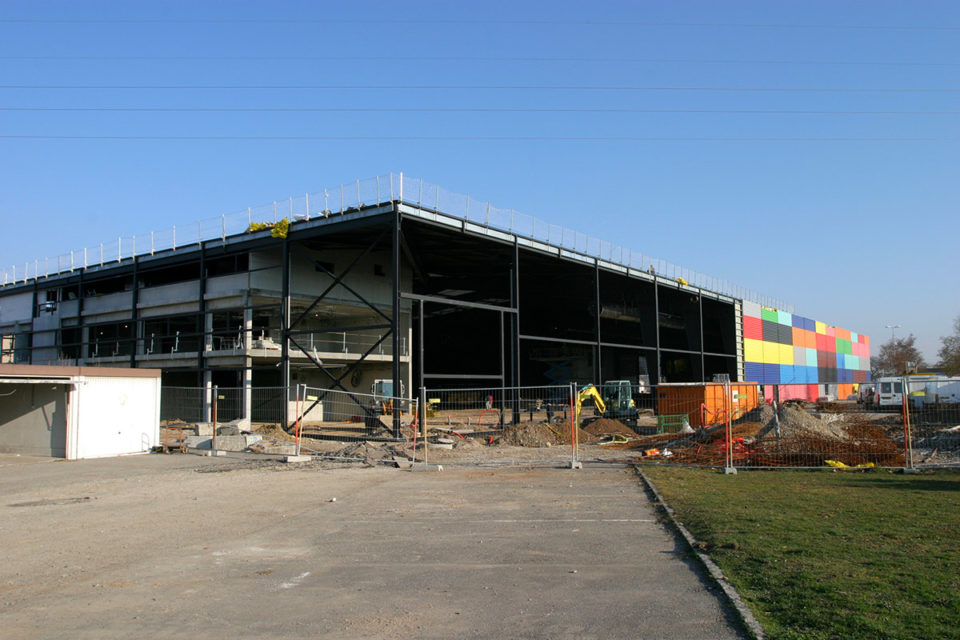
(182, 547)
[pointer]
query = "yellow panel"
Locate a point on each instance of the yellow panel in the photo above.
(771, 353)
(752, 350)
(786, 354)
(822, 328)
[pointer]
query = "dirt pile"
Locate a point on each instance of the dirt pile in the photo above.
(608, 427)
(539, 434)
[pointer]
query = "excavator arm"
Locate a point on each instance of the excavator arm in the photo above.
(585, 393)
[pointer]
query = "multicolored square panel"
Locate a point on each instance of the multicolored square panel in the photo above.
(787, 349)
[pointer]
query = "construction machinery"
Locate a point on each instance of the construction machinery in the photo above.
(586, 393)
(616, 401)
(382, 402)
(618, 397)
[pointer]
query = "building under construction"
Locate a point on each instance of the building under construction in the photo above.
(395, 279)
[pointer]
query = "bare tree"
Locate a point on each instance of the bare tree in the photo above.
(950, 351)
(897, 357)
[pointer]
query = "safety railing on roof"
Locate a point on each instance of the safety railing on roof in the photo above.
(369, 192)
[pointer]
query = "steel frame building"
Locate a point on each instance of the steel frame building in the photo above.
(332, 301)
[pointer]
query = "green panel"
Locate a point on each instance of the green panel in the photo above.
(769, 314)
(844, 346)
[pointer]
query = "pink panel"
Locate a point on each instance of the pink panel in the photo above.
(793, 392)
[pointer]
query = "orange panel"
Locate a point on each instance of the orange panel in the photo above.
(798, 337)
(843, 334)
(704, 404)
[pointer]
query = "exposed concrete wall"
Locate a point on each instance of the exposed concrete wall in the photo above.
(121, 302)
(16, 308)
(33, 419)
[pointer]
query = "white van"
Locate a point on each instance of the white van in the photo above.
(889, 392)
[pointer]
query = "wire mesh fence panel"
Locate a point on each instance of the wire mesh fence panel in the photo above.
(182, 404)
(932, 413)
(496, 424)
(335, 414)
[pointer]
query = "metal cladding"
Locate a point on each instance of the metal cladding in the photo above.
(781, 348)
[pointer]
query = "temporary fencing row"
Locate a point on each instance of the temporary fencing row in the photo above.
(497, 424)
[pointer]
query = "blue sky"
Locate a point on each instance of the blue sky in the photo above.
(847, 209)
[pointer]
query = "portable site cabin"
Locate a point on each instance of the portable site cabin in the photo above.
(78, 412)
(705, 404)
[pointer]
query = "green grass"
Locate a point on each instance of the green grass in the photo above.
(830, 554)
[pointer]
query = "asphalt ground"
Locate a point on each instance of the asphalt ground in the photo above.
(182, 546)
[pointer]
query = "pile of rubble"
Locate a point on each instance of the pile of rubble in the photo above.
(789, 437)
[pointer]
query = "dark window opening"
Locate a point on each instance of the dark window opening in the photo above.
(111, 339)
(227, 265)
(174, 334)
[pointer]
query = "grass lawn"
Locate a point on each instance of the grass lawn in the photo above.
(820, 554)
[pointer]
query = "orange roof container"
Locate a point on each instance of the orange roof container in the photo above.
(703, 402)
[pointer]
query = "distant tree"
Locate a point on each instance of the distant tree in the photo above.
(897, 357)
(950, 351)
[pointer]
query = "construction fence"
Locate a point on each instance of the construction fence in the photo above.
(721, 425)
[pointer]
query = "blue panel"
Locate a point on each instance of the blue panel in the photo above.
(786, 374)
(810, 325)
(753, 371)
(845, 376)
(771, 374)
(798, 322)
(841, 361)
(812, 377)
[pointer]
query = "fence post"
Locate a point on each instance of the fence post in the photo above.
(729, 469)
(213, 420)
(297, 428)
(422, 416)
(907, 431)
(574, 430)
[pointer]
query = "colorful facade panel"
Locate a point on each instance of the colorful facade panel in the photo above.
(780, 348)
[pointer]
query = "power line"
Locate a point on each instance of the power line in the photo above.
(466, 87)
(496, 138)
(578, 23)
(468, 110)
(543, 59)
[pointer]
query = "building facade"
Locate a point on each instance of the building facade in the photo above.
(405, 291)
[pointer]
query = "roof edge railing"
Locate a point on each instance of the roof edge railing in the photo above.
(370, 192)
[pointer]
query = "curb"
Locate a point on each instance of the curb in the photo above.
(733, 597)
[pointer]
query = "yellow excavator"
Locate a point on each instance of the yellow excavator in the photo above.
(588, 392)
(615, 402)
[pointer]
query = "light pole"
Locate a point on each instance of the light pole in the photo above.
(893, 331)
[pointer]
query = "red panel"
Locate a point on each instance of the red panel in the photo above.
(752, 328)
(768, 393)
(826, 343)
(813, 392)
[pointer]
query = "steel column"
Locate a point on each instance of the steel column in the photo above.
(285, 327)
(395, 322)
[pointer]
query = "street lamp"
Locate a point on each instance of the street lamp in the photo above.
(893, 331)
